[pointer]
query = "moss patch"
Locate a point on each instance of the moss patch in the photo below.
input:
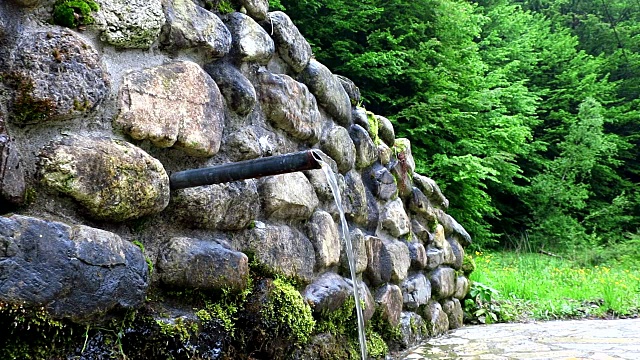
(287, 313)
(74, 13)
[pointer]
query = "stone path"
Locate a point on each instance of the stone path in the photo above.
(580, 339)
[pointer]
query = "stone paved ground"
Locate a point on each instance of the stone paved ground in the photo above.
(580, 339)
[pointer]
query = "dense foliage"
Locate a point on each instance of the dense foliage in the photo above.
(526, 112)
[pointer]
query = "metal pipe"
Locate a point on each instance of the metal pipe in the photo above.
(248, 169)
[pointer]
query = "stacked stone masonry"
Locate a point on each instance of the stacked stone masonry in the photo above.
(93, 120)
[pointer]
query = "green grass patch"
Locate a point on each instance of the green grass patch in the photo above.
(536, 286)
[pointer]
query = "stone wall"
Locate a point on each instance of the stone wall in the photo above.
(94, 119)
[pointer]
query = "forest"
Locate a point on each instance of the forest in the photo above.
(526, 112)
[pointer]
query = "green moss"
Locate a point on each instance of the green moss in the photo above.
(26, 108)
(146, 258)
(287, 313)
(376, 346)
(220, 6)
(74, 13)
(374, 127)
(468, 264)
(179, 329)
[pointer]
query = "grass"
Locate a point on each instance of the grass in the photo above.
(534, 286)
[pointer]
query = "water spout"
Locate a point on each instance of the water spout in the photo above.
(272, 165)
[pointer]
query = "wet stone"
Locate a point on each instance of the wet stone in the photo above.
(413, 329)
(462, 287)
(251, 43)
(12, 182)
(388, 260)
(352, 90)
(112, 179)
(431, 190)
(323, 233)
(206, 265)
(289, 105)
(366, 150)
(359, 250)
(453, 309)
(257, 9)
(279, 249)
(327, 293)
(227, 206)
(338, 145)
(385, 184)
(175, 105)
(416, 291)
(190, 26)
(288, 197)
(242, 145)
(443, 282)
(385, 130)
(354, 198)
(328, 91)
(291, 45)
(418, 256)
(58, 76)
(394, 219)
(389, 302)
(436, 318)
(238, 92)
(130, 23)
(95, 270)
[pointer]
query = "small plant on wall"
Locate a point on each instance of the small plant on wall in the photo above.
(74, 13)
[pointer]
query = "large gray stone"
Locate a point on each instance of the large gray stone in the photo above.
(403, 146)
(323, 233)
(191, 26)
(288, 197)
(175, 105)
(289, 105)
(328, 91)
(112, 179)
(394, 219)
(359, 253)
(454, 312)
(384, 153)
(257, 9)
(279, 249)
(366, 150)
(458, 253)
(385, 130)
(360, 117)
(385, 184)
(227, 206)
(416, 291)
(352, 90)
(242, 144)
(354, 199)
(327, 293)
(435, 258)
(421, 231)
(76, 272)
(431, 190)
(443, 282)
(418, 203)
(12, 182)
(29, 3)
(251, 43)
(437, 320)
(338, 145)
(389, 302)
(453, 228)
(388, 260)
(205, 265)
(418, 255)
(58, 76)
(462, 287)
(291, 45)
(413, 329)
(130, 23)
(237, 90)
(367, 300)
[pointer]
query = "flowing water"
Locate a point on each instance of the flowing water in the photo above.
(333, 183)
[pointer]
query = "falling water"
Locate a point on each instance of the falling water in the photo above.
(333, 183)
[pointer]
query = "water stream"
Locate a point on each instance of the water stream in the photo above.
(333, 183)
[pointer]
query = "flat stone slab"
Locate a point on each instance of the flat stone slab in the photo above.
(578, 339)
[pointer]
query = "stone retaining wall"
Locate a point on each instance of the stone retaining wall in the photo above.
(95, 118)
